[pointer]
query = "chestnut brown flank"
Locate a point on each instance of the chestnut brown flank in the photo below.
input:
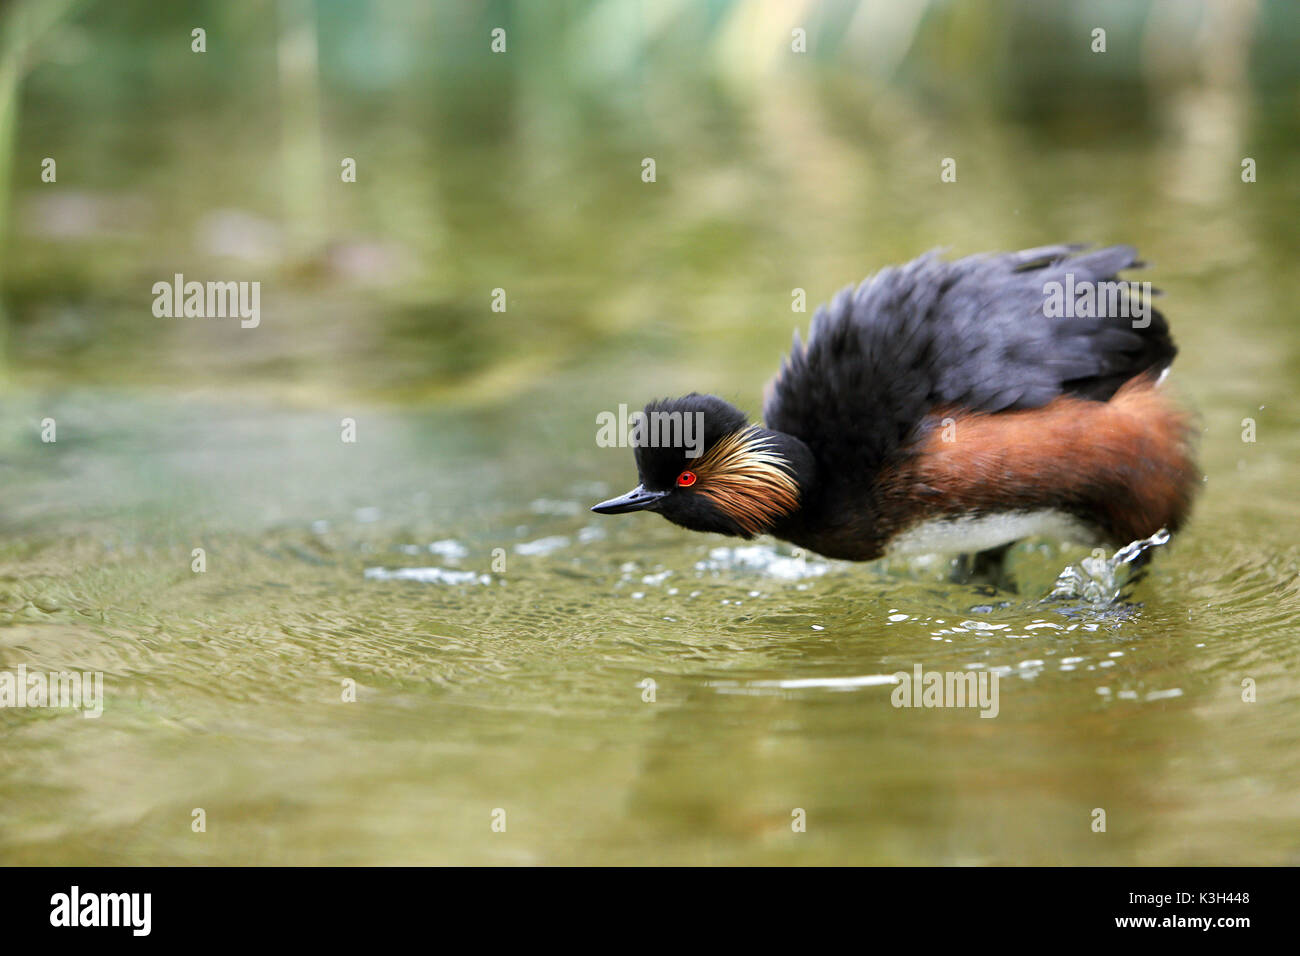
(1125, 464)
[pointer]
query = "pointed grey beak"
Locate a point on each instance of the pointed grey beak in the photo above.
(638, 499)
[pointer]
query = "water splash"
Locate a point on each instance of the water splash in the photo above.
(1098, 580)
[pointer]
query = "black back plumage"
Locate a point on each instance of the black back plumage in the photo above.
(968, 334)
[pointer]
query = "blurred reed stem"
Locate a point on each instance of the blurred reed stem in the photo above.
(300, 120)
(24, 24)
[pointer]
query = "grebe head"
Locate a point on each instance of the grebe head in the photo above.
(703, 466)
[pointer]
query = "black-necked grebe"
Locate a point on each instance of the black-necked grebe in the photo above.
(947, 407)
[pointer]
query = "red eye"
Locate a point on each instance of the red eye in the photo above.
(686, 479)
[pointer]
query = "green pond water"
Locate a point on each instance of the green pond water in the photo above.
(480, 688)
(499, 636)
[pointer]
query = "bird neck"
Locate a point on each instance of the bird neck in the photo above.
(802, 467)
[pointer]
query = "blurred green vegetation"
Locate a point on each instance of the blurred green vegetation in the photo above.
(521, 170)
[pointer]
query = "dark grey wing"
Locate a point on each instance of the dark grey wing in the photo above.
(976, 333)
(1006, 348)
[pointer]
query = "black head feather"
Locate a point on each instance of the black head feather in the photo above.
(681, 431)
(743, 478)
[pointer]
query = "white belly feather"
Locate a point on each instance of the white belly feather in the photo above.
(971, 533)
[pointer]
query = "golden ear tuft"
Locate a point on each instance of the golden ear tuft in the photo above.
(747, 480)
